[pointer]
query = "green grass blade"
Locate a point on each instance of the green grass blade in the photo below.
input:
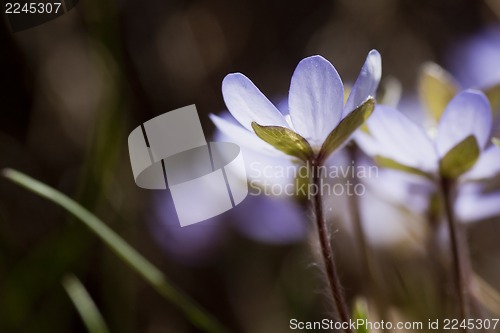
(360, 312)
(198, 316)
(84, 305)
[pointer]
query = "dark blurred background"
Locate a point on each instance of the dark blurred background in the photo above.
(73, 88)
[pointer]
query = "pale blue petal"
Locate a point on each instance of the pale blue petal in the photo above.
(247, 103)
(316, 99)
(262, 161)
(270, 220)
(402, 189)
(367, 82)
(195, 245)
(475, 59)
(241, 136)
(402, 140)
(368, 144)
(469, 113)
(269, 172)
(487, 166)
(382, 223)
(473, 205)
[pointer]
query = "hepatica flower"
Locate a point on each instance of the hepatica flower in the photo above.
(475, 203)
(475, 59)
(437, 87)
(463, 132)
(318, 121)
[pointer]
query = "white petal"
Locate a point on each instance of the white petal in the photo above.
(267, 171)
(270, 220)
(469, 113)
(472, 205)
(264, 164)
(382, 223)
(247, 103)
(402, 189)
(367, 143)
(242, 137)
(367, 82)
(316, 99)
(488, 164)
(402, 140)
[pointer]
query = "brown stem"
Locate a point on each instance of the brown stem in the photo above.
(459, 250)
(435, 255)
(326, 249)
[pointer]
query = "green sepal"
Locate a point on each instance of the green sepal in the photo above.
(285, 140)
(345, 128)
(496, 141)
(436, 89)
(460, 158)
(392, 164)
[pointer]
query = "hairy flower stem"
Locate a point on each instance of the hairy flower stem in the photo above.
(326, 249)
(459, 249)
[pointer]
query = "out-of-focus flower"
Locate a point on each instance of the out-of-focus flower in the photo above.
(474, 203)
(394, 136)
(437, 87)
(475, 60)
(192, 245)
(487, 166)
(392, 224)
(270, 220)
(401, 189)
(315, 102)
(260, 218)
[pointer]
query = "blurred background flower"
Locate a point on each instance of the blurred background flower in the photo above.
(475, 59)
